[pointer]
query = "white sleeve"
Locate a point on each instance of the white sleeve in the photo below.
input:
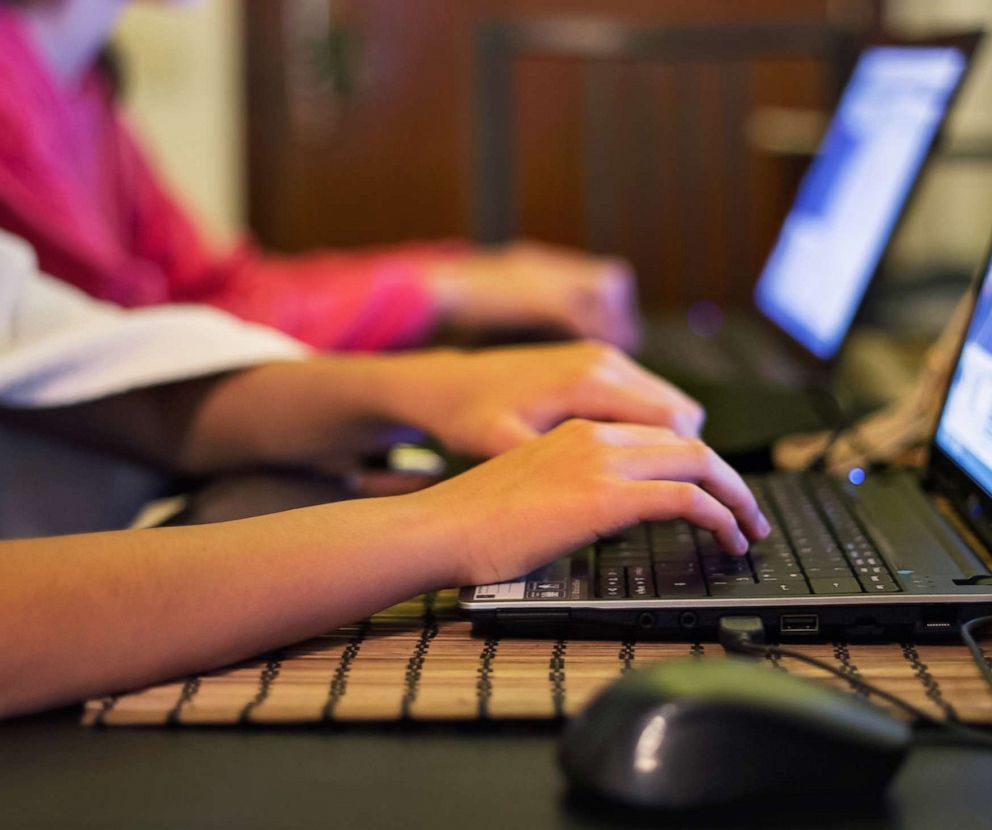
(60, 347)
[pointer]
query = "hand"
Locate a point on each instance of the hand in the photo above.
(484, 403)
(582, 481)
(526, 285)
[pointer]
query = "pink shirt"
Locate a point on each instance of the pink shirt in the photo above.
(76, 185)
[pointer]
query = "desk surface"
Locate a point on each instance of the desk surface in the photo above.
(55, 773)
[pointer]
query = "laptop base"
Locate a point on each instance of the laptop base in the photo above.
(876, 561)
(796, 624)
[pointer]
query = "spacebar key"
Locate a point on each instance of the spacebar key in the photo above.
(676, 586)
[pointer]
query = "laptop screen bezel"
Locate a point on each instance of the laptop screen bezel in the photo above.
(966, 43)
(944, 475)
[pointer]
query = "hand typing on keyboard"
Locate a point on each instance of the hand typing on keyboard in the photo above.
(586, 480)
(486, 402)
(815, 547)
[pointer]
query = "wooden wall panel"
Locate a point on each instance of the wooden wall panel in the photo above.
(375, 143)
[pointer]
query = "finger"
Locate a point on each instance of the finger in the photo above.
(619, 389)
(693, 415)
(636, 435)
(603, 304)
(617, 313)
(617, 325)
(663, 501)
(613, 400)
(623, 326)
(694, 462)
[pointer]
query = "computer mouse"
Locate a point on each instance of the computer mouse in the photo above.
(710, 732)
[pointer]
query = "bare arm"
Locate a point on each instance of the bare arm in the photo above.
(85, 615)
(93, 614)
(290, 413)
(333, 409)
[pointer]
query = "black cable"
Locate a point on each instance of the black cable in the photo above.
(976, 650)
(746, 635)
(856, 683)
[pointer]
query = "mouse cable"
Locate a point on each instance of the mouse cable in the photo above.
(975, 649)
(746, 635)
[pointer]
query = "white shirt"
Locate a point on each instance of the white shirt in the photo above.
(59, 347)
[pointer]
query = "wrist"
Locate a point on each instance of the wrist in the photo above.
(444, 536)
(412, 389)
(411, 541)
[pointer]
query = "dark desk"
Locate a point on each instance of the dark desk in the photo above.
(55, 773)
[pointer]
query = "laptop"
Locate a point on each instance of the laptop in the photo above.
(827, 252)
(884, 554)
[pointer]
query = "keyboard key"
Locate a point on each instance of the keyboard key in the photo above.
(877, 582)
(636, 534)
(611, 572)
(785, 587)
(612, 592)
(641, 581)
(841, 585)
(612, 583)
(680, 586)
(727, 569)
(625, 560)
(621, 548)
(683, 566)
(777, 576)
(667, 534)
(738, 590)
(887, 587)
(834, 571)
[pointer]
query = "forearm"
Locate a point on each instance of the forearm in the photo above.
(302, 412)
(278, 413)
(88, 615)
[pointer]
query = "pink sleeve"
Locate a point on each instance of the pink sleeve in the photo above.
(134, 245)
(369, 300)
(39, 203)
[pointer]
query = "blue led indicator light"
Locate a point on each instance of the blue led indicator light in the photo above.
(856, 476)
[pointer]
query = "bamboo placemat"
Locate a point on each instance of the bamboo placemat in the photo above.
(418, 661)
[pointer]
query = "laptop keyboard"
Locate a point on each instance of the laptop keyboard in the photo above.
(815, 547)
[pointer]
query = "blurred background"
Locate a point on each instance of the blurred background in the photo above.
(352, 122)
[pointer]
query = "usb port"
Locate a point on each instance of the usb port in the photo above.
(799, 624)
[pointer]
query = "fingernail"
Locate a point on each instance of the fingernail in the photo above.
(742, 543)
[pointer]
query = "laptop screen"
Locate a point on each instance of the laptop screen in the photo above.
(964, 431)
(851, 196)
